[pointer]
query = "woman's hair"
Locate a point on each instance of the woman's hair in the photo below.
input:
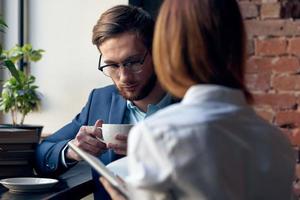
(121, 19)
(200, 42)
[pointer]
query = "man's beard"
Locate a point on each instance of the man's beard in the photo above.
(143, 92)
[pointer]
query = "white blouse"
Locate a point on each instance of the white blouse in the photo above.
(212, 145)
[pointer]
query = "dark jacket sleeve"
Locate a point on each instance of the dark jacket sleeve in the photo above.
(48, 153)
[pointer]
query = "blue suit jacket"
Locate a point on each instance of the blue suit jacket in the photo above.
(104, 103)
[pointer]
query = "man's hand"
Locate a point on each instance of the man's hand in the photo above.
(86, 140)
(114, 194)
(120, 148)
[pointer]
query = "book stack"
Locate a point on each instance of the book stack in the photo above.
(17, 152)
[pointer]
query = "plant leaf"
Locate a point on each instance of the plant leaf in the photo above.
(12, 68)
(27, 48)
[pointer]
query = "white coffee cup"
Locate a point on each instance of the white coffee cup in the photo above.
(110, 131)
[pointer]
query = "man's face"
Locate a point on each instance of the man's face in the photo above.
(121, 48)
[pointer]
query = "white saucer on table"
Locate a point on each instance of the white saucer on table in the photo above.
(28, 184)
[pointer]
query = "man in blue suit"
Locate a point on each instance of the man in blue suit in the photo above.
(123, 35)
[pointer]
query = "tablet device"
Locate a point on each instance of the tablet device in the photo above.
(101, 169)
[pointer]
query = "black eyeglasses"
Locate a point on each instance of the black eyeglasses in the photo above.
(113, 70)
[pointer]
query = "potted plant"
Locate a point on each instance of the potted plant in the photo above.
(19, 97)
(19, 94)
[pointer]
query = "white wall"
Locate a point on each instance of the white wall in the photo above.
(10, 8)
(68, 70)
(10, 15)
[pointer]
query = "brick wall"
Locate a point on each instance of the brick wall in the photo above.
(273, 68)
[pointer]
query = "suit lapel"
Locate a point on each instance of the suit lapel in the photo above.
(117, 109)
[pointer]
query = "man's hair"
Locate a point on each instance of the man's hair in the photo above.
(121, 19)
(200, 42)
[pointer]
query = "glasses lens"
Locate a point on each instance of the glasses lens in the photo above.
(106, 71)
(110, 70)
(135, 67)
(114, 69)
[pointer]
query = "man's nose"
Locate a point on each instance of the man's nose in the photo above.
(125, 73)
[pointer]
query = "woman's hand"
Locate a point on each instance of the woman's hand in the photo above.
(114, 194)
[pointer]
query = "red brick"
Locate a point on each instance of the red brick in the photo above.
(294, 137)
(257, 64)
(286, 83)
(265, 28)
(258, 82)
(288, 117)
(294, 46)
(282, 64)
(248, 9)
(271, 47)
(272, 27)
(266, 114)
(275, 101)
(251, 66)
(292, 27)
(270, 10)
(291, 138)
(286, 64)
(250, 80)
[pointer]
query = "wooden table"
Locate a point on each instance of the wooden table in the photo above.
(74, 184)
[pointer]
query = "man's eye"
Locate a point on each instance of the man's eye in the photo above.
(131, 63)
(113, 65)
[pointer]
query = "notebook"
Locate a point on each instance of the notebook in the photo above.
(98, 165)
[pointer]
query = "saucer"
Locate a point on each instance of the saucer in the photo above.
(28, 184)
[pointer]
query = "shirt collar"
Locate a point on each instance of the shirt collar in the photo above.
(151, 108)
(198, 94)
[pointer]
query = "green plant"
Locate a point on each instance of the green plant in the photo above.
(19, 94)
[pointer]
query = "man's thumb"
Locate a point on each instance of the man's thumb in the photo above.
(98, 123)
